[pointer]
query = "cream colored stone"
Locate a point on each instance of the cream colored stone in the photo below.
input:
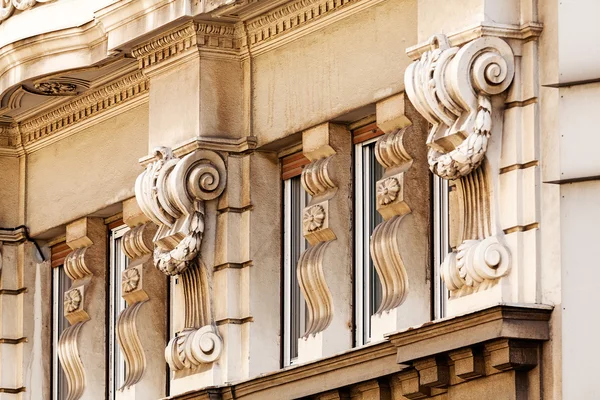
(391, 113)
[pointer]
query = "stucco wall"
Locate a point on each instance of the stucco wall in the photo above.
(9, 189)
(87, 171)
(326, 74)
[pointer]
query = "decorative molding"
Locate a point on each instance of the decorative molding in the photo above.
(59, 86)
(184, 40)
(384, 247)
(8, 7)
(172, 192)
(317, 180)
(137, 246)
(526, 32)
(314, 288)
(452, 88)
(77, 266)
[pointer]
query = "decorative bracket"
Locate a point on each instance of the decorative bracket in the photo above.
(452, 88)
(171, 192)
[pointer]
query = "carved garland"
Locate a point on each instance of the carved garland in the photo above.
(171, 192)
(452, 89)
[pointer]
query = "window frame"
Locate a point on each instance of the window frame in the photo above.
(441, 243)
(115, 305)
(363, 285)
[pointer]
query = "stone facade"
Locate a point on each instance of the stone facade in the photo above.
(439, 247)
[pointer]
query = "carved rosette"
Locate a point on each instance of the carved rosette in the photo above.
(317, 181)
(452, 88)
(171, 192)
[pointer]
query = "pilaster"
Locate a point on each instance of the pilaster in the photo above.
(141, 327)
(324, 269)
(85, 308)
(399, 253)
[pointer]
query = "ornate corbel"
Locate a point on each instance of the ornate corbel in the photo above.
(172, 193)
(391, 204)
(80, 265)
(452, 88)
(137, 245)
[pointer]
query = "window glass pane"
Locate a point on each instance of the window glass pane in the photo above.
(294, 244)
(62, 283)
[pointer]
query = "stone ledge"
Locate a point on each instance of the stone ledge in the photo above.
(527, 322)
(515, 325)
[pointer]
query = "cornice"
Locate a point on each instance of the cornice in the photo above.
(294, 20)
(232, 146)
(185, 40)
(12, 236)
(526, 32)
(53, 125)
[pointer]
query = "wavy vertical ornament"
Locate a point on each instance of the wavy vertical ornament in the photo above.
(317, 181)
(137, 245)
(452, 88)
(75, 266)
(172, 193)
(384, 247)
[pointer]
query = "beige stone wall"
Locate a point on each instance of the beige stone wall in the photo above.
(9, 191)
(326, 74)
(86, 172)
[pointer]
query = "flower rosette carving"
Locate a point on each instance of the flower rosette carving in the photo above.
(56, 88)
(130, 280)
(72, 300)
(387, 191)
(313, 218)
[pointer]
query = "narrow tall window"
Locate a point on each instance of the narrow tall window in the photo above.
(367, 171)
(441, 243)
(117, 263)
(60, 284)
(294, 306)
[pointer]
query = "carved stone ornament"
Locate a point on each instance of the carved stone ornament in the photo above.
(387, 190)
(130, 280)
(313, 218)
(317, 182)
(72, 300)
(56, 88)
(452, 88)
(7, 7)
(171, 192)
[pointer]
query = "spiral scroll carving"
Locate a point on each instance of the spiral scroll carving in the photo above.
(451, 88)
(315, 177)
(172, 192)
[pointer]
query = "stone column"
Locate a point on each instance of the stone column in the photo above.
(325, 268)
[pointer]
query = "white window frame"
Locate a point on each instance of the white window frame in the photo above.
(441, 244)
(118, 261)
(287, 270)
(57, 311)
(362, 255)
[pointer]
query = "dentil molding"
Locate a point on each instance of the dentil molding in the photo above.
(452, 88)
(172, 192)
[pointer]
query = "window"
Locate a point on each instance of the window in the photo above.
(441, 246)
(367, 171)
(60, 284)
(294, 306)
(118, 261)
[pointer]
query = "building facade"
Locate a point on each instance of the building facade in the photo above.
(298, 199)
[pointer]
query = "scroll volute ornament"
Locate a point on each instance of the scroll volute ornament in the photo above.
(171, 192)
(452, 88)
